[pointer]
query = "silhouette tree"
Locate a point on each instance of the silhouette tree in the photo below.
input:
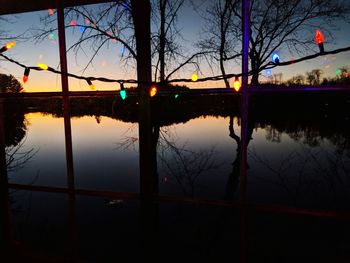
(281, 25)
(219, 32)
(9, 83)
(314, 77)
(297, 80)
(113, 24)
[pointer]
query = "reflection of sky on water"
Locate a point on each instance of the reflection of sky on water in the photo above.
(194, 159)
(46, 220)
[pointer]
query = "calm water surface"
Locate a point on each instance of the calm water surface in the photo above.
(288, 165)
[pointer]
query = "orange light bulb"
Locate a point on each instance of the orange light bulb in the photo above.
(153, 91)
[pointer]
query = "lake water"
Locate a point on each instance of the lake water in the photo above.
(293, 167)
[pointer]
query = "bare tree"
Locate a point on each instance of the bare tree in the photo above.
(218, 34)
(282, 26)
(297, 80)
(165, 47)
(314, 77)
(113, 24)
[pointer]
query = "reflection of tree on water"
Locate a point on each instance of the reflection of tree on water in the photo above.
(233, 180)
(308, 175)
(179, 163)
(15, 129)
(183, 164)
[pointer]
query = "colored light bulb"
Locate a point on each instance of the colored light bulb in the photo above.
(153, 91)
(319, 40)
(236, 84)
(122, 91)
(26, 75)
(319, 37)
(122, 94)
(10, 45)
(91, 86)
(275, 58)
(7, 46)
(194, 77)
(43, 66)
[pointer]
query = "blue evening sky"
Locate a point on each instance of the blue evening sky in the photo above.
(107, 64)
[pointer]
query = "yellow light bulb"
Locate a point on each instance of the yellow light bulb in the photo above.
(43, 66)
(194, 77)
(92, 87)
(10, 45)
(236, 84)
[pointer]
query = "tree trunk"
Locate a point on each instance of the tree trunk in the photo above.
(223, 72)
(162, 7)
(141, 11)
(255, 69)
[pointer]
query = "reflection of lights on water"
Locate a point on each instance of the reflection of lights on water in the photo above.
(327, 66)
(333, 58)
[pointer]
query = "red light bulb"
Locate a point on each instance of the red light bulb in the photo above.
(319, 40)
(26, 75)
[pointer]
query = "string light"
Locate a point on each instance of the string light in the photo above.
(43, 66)
(275, 58)
(236, 84)
(26, 75)
(153, 91)
(52, 36)
(122, 91)
(319, 40)
(7, 46)
(91, 86)
(338, 72)
(194, 77)
(267, 66)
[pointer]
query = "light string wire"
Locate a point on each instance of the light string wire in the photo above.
(268, 65)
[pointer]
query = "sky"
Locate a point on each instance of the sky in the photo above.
(107, 63)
